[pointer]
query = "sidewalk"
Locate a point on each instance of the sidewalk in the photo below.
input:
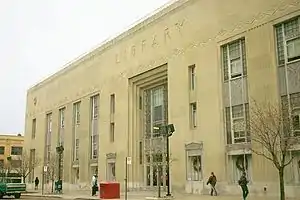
(84, 195)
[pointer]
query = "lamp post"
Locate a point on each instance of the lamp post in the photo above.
(167, 131)
(59, 151)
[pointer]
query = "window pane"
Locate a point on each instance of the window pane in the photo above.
(234, 50)
(237, 111)
(236, 67)
(193, 115)
(158, 97)
(194, 168)
(225, 62)
(228, 125)
(2, 149)
(239, 125)
(94, 127)
(293, 48)
(158, 113)
(16, 150)
(291, 28)
(296, 122)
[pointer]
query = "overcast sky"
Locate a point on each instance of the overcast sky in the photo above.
(37, 37)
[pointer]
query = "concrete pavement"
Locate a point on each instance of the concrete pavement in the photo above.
(84, 195)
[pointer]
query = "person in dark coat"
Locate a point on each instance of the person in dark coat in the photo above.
(36, 183)
(94, 184)
(212, 181)
(243, 182)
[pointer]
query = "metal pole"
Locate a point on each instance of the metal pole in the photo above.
(59, 166)
(159, 180)
(43, 181)
(126, 177)
(168, 168)
(245, 167)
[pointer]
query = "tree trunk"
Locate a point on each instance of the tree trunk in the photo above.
(281, 184)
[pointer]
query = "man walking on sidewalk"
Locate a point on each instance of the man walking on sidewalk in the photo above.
(212, 181)
(94, 184)
(243, 182)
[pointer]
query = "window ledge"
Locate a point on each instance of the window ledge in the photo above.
(236, 78)
(233, 149)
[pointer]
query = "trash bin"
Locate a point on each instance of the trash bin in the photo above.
(109, 190)
(58, 186)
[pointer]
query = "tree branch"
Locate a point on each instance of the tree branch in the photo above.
(268, 128)
(262, 154)
(289, 162)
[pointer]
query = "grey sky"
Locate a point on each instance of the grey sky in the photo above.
(37, 37)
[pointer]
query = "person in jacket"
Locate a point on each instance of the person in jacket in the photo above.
(94, 184)
(36, 183)
(243, 182)
(212, 181)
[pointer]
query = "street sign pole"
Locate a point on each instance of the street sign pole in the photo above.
(45, 169)
(127, 162)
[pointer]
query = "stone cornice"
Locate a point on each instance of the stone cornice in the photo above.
(137, 26)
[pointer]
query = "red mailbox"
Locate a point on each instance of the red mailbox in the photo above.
(109, 190)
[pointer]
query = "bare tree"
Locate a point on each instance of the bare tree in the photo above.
(25, 164)
(51, 169)
(272, 136)
(3, 169)
(158, 163)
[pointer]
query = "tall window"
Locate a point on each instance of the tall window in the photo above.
(157, 107)
(112, 132)
(192, 77)
(16, 151)
(76, 153)
(234, 59)
(237, 124)
(288, 56)
(2, 150)
(77, 113)
(94, 126)
(33, 131)
(194, 168)
(76, 123)
(155, 104)
(112, 103)
(31, 165)
(193, 115)
(296, 121)
(288, 41)
(48, 136)
(61, 126)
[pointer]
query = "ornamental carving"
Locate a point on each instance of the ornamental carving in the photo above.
(111, 155)
(194, 146)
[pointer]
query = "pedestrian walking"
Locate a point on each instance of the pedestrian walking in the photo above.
(36, 183)
(212, 181)
(94, 184)
(243, 182)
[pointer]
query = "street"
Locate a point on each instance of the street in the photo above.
(31, 197)
(188, 197)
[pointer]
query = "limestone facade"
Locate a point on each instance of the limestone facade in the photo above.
(194, 64)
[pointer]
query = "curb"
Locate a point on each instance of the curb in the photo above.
(59, 197)
(41, 195)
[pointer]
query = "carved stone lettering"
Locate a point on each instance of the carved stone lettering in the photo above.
(133, 50)
(117, 58)
(167, 34)
(154, 41)
(143, 45)
(179, 26)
